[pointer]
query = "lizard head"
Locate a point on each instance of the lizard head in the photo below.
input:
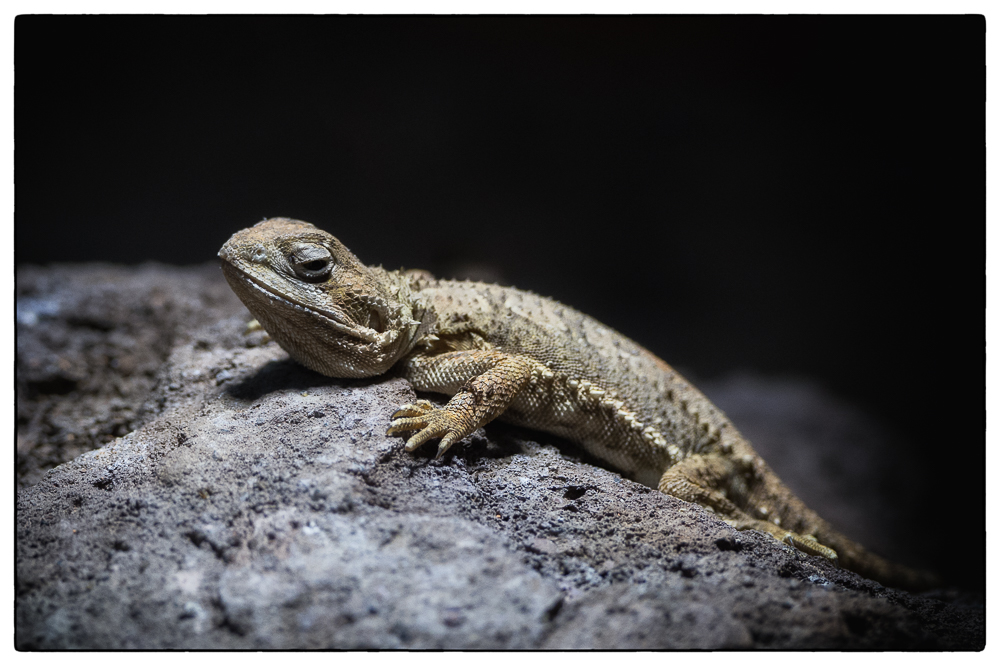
(329, 311)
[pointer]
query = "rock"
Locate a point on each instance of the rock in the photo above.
(256, 504)
(90, 341)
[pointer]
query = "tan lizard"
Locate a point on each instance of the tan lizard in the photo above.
(504, 353)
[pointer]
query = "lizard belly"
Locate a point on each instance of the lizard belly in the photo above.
(601, 425)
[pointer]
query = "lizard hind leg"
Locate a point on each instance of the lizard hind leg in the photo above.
(714, 482)
(748, 496)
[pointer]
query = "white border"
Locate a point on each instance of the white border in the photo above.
(16, 7)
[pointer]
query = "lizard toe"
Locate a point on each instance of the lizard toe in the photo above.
(398, 425)
(446, 443)
(418, 408)
(428, 433)
(810, 546)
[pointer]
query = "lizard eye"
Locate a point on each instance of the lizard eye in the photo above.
(311, 263)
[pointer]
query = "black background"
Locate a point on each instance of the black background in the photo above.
(789, 195)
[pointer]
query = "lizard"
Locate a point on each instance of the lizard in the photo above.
(500, 352)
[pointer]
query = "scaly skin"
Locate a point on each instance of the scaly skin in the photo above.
(528, 360)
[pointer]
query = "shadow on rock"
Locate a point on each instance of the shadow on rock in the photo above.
(283, 375)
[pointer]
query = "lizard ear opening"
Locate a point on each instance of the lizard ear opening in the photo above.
(312, 263)
(375, 321)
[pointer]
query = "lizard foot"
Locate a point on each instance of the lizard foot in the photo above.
(430, 421)
(802, 542)
(253, 326)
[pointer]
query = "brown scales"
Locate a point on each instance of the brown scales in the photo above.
(504, 353)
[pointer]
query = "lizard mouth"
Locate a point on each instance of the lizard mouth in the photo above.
(335, 320)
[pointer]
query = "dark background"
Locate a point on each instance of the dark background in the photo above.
(786, 195)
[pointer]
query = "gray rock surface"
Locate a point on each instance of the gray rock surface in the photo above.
(91, 339)
(243, 501)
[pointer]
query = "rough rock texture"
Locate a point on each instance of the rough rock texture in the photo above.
(90, 341)
(255, 504)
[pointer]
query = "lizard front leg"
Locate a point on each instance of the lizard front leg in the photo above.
(483, 383)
